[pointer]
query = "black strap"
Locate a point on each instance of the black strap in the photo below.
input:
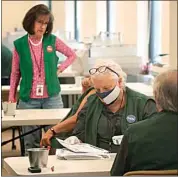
(22, 135)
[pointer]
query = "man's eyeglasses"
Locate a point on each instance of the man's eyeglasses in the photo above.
(101, 69)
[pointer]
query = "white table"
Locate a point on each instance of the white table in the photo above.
(69, 89)
(142, 88)
(35, 117)
(61, 167)
(68, 74)
(136, 86)
(66, 89)
(72, 90)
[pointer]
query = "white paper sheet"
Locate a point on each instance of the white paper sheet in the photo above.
(81, 147)
(117, 139)
(69, 155)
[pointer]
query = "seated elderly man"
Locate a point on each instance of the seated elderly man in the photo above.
(112, 109)
(152, 144)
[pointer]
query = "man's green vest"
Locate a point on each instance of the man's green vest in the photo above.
(135, 103)
(26, 68)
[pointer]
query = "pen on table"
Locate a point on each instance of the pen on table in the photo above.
(52, 168)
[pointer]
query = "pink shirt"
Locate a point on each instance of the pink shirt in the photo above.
(15, 72)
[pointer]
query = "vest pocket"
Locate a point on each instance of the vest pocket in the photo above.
(25, 88)
(52, 81)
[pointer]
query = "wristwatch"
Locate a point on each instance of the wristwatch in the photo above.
(53, 131)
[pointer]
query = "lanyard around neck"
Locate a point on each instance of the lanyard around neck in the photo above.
(38, 66)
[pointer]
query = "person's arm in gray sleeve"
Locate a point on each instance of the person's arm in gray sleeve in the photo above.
(6, 61)
(121, 163)
(79, 130)
(149, 109)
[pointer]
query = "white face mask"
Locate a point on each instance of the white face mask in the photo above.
(110, 96)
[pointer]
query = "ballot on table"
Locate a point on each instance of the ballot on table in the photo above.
(80, 151)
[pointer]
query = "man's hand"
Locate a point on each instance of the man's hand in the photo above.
(45, 141)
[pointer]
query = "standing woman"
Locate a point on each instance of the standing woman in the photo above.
(35, 63)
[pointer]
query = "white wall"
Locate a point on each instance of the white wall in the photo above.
(126, 21)
(58, 10)
(165, 29)
(88, 20)
(13, 13)
(173, 35)
(142, 30)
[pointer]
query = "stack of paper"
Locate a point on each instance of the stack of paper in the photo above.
(69, 155)
(80, 151)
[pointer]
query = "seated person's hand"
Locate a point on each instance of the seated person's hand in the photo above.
(45, 141)
(72, 140)
(86, 83)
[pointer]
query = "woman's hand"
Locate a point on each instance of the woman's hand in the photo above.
(45, 141)
(59, 71)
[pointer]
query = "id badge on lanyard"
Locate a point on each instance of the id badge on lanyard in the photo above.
(39, 89)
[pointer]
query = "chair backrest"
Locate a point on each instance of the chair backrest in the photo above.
(152, 172)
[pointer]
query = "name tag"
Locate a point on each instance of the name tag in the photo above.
(39, 89)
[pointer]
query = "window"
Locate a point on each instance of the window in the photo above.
(50, 4)
(155, 32)
(77, 19)
(111, 16)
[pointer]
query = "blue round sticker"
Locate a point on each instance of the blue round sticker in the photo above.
(131, 118)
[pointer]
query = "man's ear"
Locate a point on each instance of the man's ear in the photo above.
(157, 104)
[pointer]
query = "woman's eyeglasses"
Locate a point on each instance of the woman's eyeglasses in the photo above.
(42, 22)
(101, 69)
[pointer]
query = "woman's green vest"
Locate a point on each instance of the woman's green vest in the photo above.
(26, 68)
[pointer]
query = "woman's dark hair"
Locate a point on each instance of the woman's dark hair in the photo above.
(33, 14)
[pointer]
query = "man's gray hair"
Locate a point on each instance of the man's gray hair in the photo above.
(114, 66)
(165, 90)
